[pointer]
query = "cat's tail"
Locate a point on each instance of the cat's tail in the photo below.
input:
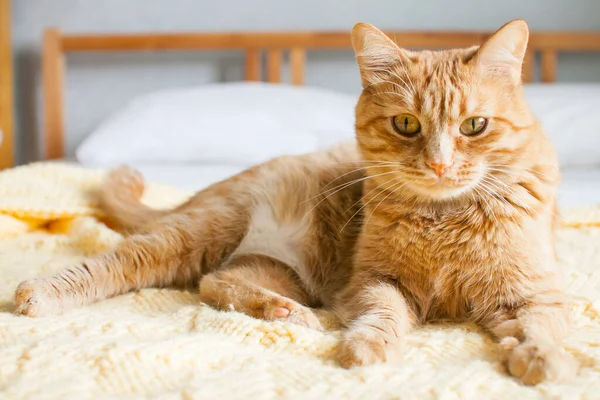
(120, 201)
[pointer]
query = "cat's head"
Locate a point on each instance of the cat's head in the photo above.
(443, 121)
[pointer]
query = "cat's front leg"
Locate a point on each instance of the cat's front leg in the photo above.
(377, 319)
(531, 340)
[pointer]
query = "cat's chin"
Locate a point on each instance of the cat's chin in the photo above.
(441, 192)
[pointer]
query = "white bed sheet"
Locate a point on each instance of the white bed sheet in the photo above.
(579, 186)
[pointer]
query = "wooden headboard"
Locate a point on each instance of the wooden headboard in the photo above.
(7, 151)
(275, 46)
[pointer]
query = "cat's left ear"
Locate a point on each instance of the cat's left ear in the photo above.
(504, 51)
(375, 53)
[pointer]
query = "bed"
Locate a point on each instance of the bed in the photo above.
(163, 343)
(6, 88)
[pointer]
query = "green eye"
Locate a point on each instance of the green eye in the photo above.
(407, 125)
(473, 126)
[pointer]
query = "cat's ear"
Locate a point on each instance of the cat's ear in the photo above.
(503, 53)
(375, 53)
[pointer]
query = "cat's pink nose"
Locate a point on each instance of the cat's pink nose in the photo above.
(439, 169)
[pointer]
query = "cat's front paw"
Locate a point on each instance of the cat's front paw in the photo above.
(365, 348)
(35, 298)
(534, 363)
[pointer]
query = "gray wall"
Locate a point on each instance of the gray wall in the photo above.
(98, 84)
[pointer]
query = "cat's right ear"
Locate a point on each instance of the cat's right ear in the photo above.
(503, 53)
(375, 53)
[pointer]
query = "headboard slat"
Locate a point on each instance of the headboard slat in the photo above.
(297, 64)
(7, 150)
(274, 61)
(549, 60)
(253, 65)
(53, 77)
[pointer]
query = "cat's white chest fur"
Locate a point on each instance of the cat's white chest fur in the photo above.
(270, 237)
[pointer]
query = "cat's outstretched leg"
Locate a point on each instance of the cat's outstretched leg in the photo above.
(261, 287)
(155, 259)
(173, 248)
(531, 337)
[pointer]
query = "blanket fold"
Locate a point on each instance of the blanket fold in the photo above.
(163, 343)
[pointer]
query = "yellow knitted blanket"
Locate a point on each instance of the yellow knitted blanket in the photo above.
(164, 344)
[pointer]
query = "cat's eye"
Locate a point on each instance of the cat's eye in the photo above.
(473, 126)
(407, 125)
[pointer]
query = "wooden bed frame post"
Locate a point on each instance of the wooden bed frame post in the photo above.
(549, 61)
(253, 65)
(53, 78)
(7, 150)
(297, 63)
(274, 58)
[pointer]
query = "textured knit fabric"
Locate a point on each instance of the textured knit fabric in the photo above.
(165, 344)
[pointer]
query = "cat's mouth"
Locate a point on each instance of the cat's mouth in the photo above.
(445, 187)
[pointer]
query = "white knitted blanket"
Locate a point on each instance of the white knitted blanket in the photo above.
(165, 344)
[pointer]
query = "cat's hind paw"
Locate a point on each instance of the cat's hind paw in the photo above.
(34, 299)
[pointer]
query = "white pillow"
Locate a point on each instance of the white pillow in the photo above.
(569, 113)
(241, 123)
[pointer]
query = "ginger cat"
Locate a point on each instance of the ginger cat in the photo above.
(444, 208)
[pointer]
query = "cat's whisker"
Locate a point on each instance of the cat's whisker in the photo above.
(393, 191)
(501, 199)
(358, 161)
(403, 89)
(411, 83)
(513, 192)
(391, 164)
(396, 75)
(511, 172)
(501, 186)
(414, 91)
(383, 190)
(482, 196)
(385, 81)
(375, 163)
(344, 186)
(363, 197)
(505, 204)
(364, 205)
(333, 189)
(401, 95)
